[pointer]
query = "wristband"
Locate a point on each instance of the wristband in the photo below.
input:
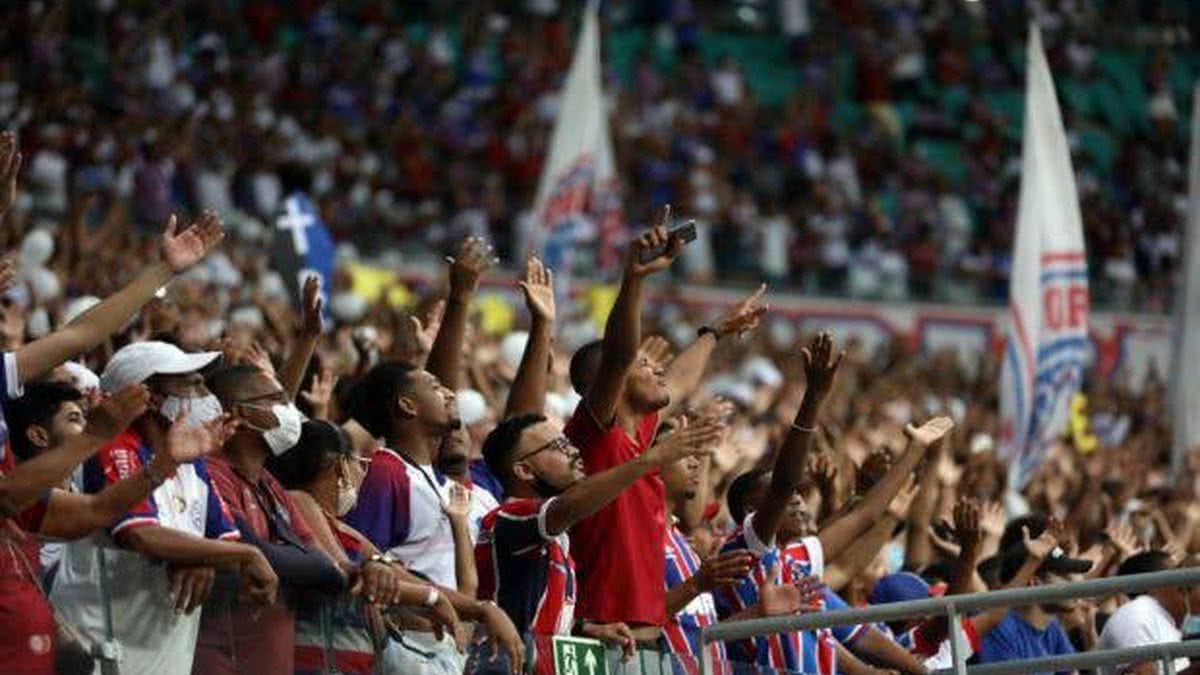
(708, 330)
(156, 479)
(804, 430)
(433, 597)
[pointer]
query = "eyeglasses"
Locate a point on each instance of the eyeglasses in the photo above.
(559, 444)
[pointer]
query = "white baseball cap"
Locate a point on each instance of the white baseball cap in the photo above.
(137, 362)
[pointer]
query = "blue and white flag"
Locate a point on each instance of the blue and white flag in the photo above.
(1047, 337)
(302, 246)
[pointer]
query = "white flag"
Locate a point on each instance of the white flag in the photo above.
(1185, 368)
(576, 197)
(1046, 347)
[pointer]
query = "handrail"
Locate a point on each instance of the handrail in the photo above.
(1012, 597)
(1087, 660)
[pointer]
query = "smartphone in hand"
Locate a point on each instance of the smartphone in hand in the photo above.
(685, 233)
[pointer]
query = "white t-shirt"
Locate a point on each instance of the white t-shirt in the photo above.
(1139, 623)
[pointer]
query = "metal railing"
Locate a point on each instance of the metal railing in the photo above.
(954, 606)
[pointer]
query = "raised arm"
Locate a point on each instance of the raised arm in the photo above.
(10, 166)
(623, 332)
(686, 370)
(29, 481)
(305, 343)
(178, 253)
(458, 510)
(445, 358)
(528, 393)
(592, 493)
(839, 534)
(918, 549)
(71, 515)
(840, 571)
(820, 367)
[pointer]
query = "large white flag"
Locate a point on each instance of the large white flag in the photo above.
(1046, 346)
(576, 198)
(1185, 366)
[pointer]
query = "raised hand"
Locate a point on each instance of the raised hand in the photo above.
(186, 442)
(696, 440)
(311, 302)
(967, 523)
(320, 393)
(538, 287)
(725, 569)
(258, 357)
(656, 350)
(425, 332)
(474, 258)
(180, 250)
(10, 166)
(824, 472)
(744, 317)
(1041, 547)
(114, 414)
(820, 364)
(931, 432)
(8, 274)
(898, 507)
(458, 505)
(992, 519)
(1123, 539)
(653, 239)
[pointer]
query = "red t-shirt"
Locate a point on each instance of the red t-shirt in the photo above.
(261, 641)
(619, 551)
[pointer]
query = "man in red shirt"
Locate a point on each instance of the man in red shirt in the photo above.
(238, 640)
(624, 396)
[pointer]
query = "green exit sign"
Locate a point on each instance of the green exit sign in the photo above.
(579, 656)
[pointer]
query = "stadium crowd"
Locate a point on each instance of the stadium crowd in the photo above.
(866, 147)
(411, 494)
(218, 479)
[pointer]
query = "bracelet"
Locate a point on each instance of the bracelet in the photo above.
(709, 330)
(156, 479)
(804, 430)
(380, 558)
(433, 597)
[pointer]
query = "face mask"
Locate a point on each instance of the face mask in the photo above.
(347, 497)
(200, 411)
(284, 435)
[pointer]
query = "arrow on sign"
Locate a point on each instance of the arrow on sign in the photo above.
(589, 661)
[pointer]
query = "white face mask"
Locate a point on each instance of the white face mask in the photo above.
(347, 497)
(200, 411)
(284, 436)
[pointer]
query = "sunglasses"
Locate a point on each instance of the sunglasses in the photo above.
(559, 444)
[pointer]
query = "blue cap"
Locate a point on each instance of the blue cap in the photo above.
(899, 587)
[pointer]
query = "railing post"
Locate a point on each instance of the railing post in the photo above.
(958, 645)
(703, 657)
(1168, 666)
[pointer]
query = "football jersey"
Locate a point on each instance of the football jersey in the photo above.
(803, 651)
(353, 650)
(399, 509)
(682, 631)
(153, 637)
(528, 573)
